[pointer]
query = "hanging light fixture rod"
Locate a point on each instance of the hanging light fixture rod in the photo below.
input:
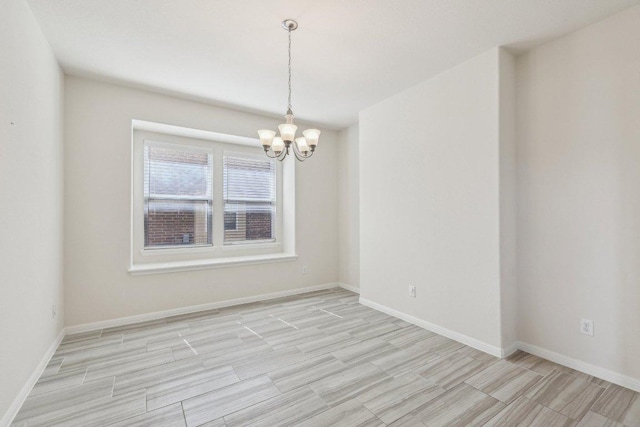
(278, 147)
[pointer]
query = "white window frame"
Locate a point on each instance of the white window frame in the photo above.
(171, 259)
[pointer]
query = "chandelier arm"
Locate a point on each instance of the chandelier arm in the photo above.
(294, 144)
(299, 157)
(302, 157)
(274, 156)
(298, 153)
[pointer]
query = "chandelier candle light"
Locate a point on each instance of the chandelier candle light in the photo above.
(278, 147)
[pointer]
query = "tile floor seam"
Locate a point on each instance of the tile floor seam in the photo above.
(84, 377)
(184, 416)
(529, 387)
(195, 395)
(374, 415)
(559, 413)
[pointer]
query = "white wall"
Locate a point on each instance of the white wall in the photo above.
(97, 209)
(429, 200)
(348, 207)
(578, 110)
(31, 207)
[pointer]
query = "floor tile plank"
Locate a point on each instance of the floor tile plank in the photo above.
(288, 409)
(396, 397)
(328, 344)
(59, 381)
(349, 383)
(169, 416)
(227, 400)
(95, 412)
(593, 419)
(123, 365)
(306, 372)
(504, 381)
(460, 406)
(449, 371)
(619, 404)
(46, 404)
(153, 375)
(188, 386)
(525, 412)
(348, 414)
(565, 393)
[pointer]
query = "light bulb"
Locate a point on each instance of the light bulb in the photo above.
(301, 142)
(287, 131)
(278, 145)
(312, 136)
(266, 136)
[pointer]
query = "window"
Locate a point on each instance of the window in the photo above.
(249, 198)
(178, 195)
(202, 199)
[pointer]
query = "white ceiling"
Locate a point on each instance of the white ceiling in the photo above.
(347, 54)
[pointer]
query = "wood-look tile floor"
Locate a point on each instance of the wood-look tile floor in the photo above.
(318, 359)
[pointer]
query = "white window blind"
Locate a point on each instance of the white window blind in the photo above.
(178, 195)
(249, 193)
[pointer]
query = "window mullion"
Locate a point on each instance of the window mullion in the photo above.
(218, 202)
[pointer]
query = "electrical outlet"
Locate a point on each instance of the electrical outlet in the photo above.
(412, 291)
(54, 311)
(586, 327)
(305, 269)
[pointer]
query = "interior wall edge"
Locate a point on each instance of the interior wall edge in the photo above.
(355, 289)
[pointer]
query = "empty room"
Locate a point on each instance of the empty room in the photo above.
(320, 213)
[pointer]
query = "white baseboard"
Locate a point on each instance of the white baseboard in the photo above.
(121, 321)
(509, 350)
(561, 359)
(350, 288)
(464, 339)
(579, 365)
(11, 413)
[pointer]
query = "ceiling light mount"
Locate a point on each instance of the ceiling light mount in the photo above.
(289, 25)
(279, 147)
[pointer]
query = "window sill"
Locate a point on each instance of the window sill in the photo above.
(176, 266)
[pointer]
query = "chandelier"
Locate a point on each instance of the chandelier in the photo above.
(278, 147)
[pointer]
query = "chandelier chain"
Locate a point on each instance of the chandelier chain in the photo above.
(289, 105)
